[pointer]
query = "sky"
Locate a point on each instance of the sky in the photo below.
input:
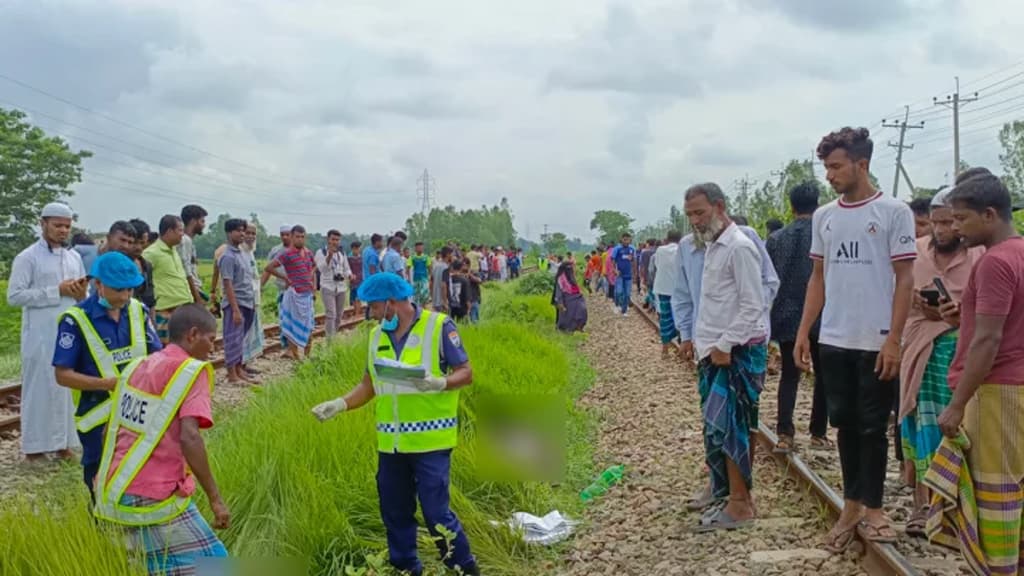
(325, 113)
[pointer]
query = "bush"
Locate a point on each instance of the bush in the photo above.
(10, 324)
(537, 284)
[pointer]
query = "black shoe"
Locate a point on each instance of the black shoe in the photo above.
(471, 570)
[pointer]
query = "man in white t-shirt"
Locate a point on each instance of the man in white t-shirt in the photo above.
(863, 250)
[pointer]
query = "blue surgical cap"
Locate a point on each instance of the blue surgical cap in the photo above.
(385, 286)
(117, 271)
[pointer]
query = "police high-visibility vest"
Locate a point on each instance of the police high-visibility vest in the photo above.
(107, 360)
(149, 416)
(409, 420)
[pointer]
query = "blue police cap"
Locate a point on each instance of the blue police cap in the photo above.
(384, 286)
(117, 271)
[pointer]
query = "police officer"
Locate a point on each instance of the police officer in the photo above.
(417, 419)
(96, 338)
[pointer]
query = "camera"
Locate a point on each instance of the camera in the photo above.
(338, 277)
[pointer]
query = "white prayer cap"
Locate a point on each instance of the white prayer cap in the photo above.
(285, 228)
(939, 200)
(57, 210)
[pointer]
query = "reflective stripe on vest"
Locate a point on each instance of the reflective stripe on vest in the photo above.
(409, 420)
(149, 416)
(106, 360)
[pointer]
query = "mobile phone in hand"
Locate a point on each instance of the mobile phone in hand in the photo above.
(943, 293)
(931, 296)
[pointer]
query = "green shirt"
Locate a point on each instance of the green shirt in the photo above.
(169, 279)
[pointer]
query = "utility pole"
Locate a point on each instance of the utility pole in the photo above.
(954, 101)
(426, 190)
(743, 201)
(903, 126)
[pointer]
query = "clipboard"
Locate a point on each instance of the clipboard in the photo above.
(400, 372)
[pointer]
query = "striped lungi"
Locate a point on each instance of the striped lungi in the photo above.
(981, 514)
(919, 431)
(174, 547)
(297, 317)
(161, 318)
(666, 324)
(729, 399)
(253, 344)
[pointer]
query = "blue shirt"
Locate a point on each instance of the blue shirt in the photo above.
(513, 262)
(393, 262)
(72, 352)
(370, 258)
(623, 264)
(453, 354)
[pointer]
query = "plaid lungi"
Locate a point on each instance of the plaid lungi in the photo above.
(173, 548)
(666, 324)
(161, 319)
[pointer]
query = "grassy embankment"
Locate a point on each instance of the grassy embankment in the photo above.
(301, 489)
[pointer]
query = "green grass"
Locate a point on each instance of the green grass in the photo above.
(301, 489)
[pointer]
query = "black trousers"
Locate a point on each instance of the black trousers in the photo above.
(788, 384)
(858, 406)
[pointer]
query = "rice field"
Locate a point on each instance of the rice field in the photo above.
(303, 490)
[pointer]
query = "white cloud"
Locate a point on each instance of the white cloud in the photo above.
(327, 112)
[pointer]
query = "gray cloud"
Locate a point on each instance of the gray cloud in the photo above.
(841, 16)
(718, 155)
(430, 105)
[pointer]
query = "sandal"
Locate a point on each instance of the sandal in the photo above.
(918, 521)
(821, 442)
(883, 534)
(837, 541)
(784, 445)
(721, 520)
(700, 500)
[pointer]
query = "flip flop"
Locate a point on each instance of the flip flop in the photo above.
(883, 534)
(784, 445)
(916, 524)
(700, 500)
(821, 442)
(721, 520)
(837, 542)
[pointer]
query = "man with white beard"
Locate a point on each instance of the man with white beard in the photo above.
(729, 336)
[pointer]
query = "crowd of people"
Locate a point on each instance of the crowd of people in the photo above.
(897, 312)
(116, 341)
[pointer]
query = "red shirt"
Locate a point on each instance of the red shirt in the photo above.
(995, 288)
(300, 267)
(165, 472)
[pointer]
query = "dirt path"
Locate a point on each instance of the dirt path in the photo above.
(651, 422)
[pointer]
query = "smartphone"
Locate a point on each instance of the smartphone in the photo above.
(932, 296)
(943, 293)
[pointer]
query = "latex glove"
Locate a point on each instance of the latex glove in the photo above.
(329, 409)
(431, 384)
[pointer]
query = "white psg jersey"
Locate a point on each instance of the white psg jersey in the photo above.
(858, 242)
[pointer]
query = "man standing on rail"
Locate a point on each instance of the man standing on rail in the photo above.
(417, 420)
(665, 276)
(170, 281)
(46, 279)
(297, 313)
(686, 296)
(239, 303)
(96, 339)
(153, 448)
(788, 249)
(863, 250)
(334, 277)
(929, 343)
(730, 340)
(421, 275)
(987, 378)
(194, 219)
(282, 286)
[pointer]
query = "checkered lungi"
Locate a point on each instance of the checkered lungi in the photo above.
(173, 548)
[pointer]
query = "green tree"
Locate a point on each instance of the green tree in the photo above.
(35, 169)
(490, 225)
(1011, 137)
(555, 243)
(611, 225)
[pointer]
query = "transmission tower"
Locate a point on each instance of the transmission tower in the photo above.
(426, 191)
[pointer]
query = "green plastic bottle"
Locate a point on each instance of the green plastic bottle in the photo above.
(607, 479)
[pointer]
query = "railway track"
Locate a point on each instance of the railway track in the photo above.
(10, 393)
(906, 557)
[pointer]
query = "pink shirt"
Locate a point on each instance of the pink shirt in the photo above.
(165, 473)
(996, 288)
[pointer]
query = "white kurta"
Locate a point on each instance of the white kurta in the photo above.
(47, 413)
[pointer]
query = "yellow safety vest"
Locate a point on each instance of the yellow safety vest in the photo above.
(408, 420)
(107, 360)
(149, 416)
